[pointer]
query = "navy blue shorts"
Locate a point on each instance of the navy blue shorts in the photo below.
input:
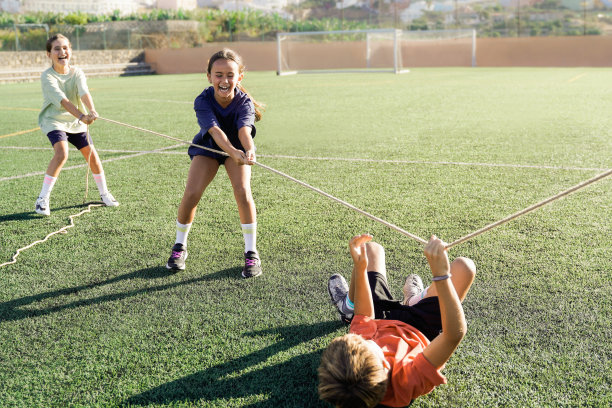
(424, 316)
(78, 140)
(210, 143)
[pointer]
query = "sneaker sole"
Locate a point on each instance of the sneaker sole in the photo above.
(331, 297)
(176, 268)
(41, 212)
(251, 276)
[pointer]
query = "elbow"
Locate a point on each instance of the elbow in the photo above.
(458, 333)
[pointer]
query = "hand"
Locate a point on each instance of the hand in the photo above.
(88, 119)
(358, 250)
(435, 252)
(239, 157)
(94, 114)
(250, 156)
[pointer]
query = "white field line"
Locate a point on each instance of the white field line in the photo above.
(272, 156)
(78, 166)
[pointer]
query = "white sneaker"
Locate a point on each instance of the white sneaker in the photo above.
(412, 287)
(109, 200)
(42, 206)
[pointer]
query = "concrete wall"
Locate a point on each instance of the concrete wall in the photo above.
(11, 61)
(590, 51)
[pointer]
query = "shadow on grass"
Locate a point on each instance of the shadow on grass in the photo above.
(32, 215)
(288, 384)
(10, 311)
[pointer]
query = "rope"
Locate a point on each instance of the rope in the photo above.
(531, 208)
(88, 166)
(60, 231)
(323, 193)
(402, 231)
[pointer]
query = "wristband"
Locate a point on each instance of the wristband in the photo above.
(81, 117)
(439, 278)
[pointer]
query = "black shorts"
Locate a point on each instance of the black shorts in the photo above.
(78, 140)
(209, 142)
(424, 316)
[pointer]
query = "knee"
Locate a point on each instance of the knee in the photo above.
(61, 156)
(376, 256)
(191, 195)
(243, 194)
(465, 266)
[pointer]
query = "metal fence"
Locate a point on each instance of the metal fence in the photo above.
(251, 27)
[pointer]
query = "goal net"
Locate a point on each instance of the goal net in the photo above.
(377, 50)
(334, 51)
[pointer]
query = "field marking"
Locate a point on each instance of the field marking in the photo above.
(19, 109)
(158, 100)
(273, 156)
(577, 77)
(529, 166)
(20, 132)
(78, 166)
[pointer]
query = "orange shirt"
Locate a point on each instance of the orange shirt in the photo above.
(411, 374)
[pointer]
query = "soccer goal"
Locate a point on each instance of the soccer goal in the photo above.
(376, 50)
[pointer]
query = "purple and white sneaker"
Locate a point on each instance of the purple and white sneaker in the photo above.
(176, 262)
(252, 265)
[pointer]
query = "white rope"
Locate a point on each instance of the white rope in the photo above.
(352, 207)
(408, 234)
(531, 208)
(60, 231)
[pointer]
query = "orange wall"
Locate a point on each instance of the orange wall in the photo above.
(594, 51)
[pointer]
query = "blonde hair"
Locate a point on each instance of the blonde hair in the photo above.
(232, 55)
(350, 375)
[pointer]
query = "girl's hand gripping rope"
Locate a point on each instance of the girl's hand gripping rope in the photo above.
(250, 156)
(437, 256)
(358, 250)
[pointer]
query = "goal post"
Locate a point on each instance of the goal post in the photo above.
(373, 50)
(448, 47)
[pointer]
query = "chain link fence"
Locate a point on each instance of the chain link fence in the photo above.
(251, 26)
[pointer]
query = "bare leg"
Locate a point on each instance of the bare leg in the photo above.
(240, 177)
(201, 172)
(463, 271)
(60, 156)
(91, 157)
(376, 263)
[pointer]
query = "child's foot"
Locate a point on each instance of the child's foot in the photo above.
(252, 265)
(412, 287)
(338, 290)
(176, 262)
(109, 200)
(42, 206)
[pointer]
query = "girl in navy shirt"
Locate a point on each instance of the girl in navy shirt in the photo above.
(226, 114)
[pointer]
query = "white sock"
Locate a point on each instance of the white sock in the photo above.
(101, 183)
(417, 298)
(47, 186)
(249, 231)
(182, 230)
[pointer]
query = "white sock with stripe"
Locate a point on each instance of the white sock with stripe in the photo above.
(47, 186)
(100, 180)
(182, 230)
(249, 232)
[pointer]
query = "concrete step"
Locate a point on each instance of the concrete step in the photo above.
(99, 70)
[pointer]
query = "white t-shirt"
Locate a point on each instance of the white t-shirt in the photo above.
(55, 87)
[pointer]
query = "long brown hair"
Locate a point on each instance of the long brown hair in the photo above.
(57, 37)
(232, 55)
